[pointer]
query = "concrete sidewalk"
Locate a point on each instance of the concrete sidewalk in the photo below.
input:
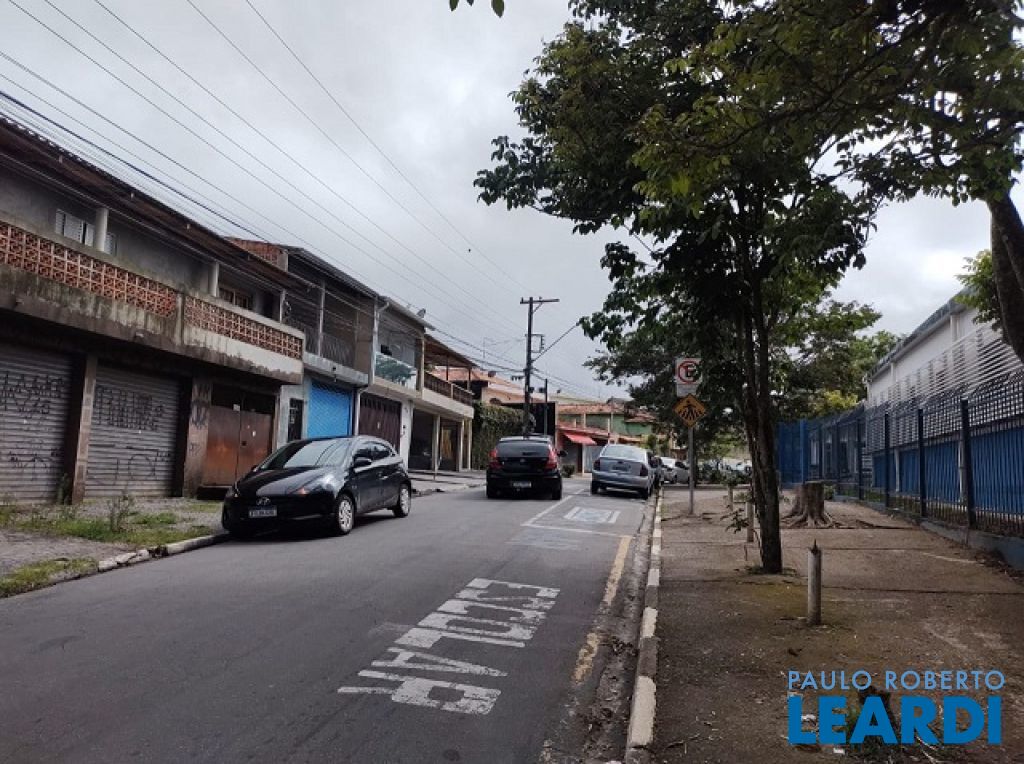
(424, 482)
(895, 597)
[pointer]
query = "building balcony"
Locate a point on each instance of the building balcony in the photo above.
(396, 372)
(447, 397)
(55, 279)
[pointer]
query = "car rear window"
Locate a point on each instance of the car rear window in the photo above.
(625, 452)
(523, 448)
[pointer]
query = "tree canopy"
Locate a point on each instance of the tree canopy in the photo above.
(725, 236)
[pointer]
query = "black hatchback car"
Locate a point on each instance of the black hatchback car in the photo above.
(528, 463)
(325, 480)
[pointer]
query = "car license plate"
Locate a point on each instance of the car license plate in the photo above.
(522, 484)
(263, 512)
(620, 467)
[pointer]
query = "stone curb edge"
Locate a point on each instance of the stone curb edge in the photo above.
(641, 716)
(163, 550)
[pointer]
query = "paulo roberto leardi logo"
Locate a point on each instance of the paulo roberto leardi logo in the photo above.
(947, 707)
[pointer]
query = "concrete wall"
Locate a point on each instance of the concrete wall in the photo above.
(32, 202)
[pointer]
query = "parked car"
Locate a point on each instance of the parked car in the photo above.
(625, 467)
(674, 471)
(524, 464)
(325, 480)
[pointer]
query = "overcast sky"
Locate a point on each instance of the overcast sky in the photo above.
(430, 88)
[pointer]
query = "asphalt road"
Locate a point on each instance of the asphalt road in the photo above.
(397, 643)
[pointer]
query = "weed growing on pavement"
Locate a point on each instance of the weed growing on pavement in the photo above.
(118, 510)
(39, 574)
(160, 518)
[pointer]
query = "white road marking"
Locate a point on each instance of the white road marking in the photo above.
(461, 607)
(407, 659)
(587, 515)
(650, 619)
(557, 503)
(548, 592)
(523, 608)
(415, 691)
(420, 637)
(579, 530)
(530, 603)
(452, 622)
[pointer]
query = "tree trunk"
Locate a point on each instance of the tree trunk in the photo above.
(1008, 269)
(809, 507)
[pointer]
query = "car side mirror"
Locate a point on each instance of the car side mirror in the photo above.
(562, 454)
(361, 461)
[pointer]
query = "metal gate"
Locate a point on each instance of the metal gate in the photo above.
(35, 389)
(135, 425)
(381, 418)
(330, 412)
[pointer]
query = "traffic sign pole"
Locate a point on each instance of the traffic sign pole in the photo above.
(693, 467)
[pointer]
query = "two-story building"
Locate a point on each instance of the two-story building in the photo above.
(139, 350)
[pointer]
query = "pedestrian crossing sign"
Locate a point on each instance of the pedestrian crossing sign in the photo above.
(690, 410)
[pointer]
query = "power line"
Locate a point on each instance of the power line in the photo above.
(326, 135)
(220, 151)
(387, 158)
(563, 336)
(357, 308)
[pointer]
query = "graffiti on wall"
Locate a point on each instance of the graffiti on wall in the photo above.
(199, 414)
(31, 395)
(127, 464)
(127, 409)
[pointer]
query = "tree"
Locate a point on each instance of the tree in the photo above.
(913, 95)
(498, 6)
(828, 358)
(742, 234)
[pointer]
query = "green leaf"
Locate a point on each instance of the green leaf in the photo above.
(498, 6)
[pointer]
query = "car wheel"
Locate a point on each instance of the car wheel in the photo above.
(240, 534)
(645, 494)
(492, 492)
(344, 515)
(557, 494)
(404, 505)
(595, 488)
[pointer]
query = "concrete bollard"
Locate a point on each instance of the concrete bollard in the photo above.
(814, 585)
(750, 521)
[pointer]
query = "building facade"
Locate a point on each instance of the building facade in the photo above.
(139, 351)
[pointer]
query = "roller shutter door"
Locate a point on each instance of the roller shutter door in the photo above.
(35, 390)
(330, 412)
(134, 434)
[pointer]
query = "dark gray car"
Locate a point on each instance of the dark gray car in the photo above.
(326, 480)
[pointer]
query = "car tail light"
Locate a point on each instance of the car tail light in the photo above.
(643, 470)
(494, 458)
(597, 464)
(552, 463)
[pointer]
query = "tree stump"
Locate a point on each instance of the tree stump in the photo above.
(809, 507)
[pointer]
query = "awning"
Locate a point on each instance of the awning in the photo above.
(583, 440)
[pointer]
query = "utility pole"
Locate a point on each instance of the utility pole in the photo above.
(546, 407)
(534, 304)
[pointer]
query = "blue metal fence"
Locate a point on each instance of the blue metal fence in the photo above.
(957, 456)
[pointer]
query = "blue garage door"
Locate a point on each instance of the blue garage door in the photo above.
(330, 412)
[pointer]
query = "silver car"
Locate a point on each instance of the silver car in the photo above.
(625, 467)
(674, 471)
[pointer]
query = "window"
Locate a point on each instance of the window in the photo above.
(82, 232)
(235, 297)
(379, 451)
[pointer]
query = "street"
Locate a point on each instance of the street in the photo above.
(460, 633)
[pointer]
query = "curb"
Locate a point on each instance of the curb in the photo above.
(164, 550)
(641, 715)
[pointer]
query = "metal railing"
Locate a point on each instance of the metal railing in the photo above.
(956, 456)
(448, 389)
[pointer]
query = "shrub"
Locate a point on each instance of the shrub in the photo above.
(568, 470)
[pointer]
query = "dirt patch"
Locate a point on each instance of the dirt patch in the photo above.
(895, 598)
